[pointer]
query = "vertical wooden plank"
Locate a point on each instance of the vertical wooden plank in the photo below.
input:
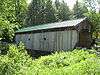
(49, 47)
(20, 37)
(23, 39)
(65, 40)
(61, 40)
(34, 44)
(27, 41)
(45, 41)
(52, 40)
(32, 41)
(57, 41)
(68, 39)
(74, 38)
(56, 35)
(17, 38)
(49, 41)
(40, 40)
(37, 41)
(71, 33)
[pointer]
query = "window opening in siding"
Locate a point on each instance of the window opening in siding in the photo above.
(44, 38)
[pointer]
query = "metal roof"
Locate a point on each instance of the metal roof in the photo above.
(69, 23)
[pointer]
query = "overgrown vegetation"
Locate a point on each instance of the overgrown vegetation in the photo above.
(94, 19)
(6, 30)
(14, 59)
(77, 62)
(12, 14)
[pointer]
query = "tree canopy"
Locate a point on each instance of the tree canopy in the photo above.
(63, 11)
(79, 10)
(13, 10)
(12, 14)
(45, 11)
(40, 12)
(94, 18)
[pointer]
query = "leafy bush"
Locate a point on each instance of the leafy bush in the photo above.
(3, 49)
(15, 61)
(7, 30)
(77, 62)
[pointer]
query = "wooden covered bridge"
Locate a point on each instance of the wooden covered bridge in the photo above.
(56, 36)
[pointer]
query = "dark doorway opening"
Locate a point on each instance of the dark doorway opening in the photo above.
(84, 38)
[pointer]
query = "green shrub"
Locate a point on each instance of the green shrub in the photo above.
(16, 60)
(3, 49)
(77, 62)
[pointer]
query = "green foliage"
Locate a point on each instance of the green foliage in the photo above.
(45, 11)
(94, 18)
(15, 61)
(3, 49)
(77, 62)
(20, 11)
(79, 10)
(50, 16)
(91, 4)
(13, 11)
(40, 12)
(6, 30)
(12, 14)
(63, 11)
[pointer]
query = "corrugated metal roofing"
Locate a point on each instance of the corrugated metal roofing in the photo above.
(68, 23)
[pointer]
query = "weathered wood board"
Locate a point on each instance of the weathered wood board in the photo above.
(49, 41)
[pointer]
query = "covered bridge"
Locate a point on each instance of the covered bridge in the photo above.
(56, 36)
